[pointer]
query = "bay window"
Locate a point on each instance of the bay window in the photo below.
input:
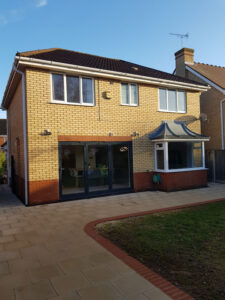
(175, 156)
(72, 89)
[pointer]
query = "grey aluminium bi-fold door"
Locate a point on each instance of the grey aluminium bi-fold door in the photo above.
(91, 169)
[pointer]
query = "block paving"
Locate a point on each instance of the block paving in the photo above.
(46, 254)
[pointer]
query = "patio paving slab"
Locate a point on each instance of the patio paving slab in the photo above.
(45, 253)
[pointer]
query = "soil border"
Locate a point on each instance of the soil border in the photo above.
(157, 280)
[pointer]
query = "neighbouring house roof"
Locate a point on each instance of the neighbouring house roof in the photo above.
(175, 130)
(3, 127)
(215, 74)
(99, 62)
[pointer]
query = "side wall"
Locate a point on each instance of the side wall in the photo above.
(106, 116)
(16, 142)
(210, 105)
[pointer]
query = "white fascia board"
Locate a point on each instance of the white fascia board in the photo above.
(180, 170)
(181, 140)
(57, 66)
(205, 79)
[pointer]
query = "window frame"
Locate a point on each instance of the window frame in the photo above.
(65, 90)
(129, 93)
(172, 111)
(166, 157)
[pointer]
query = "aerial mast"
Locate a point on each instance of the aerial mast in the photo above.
(181, 37)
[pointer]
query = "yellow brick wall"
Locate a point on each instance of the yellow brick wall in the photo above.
(15, 130)
(106, 116)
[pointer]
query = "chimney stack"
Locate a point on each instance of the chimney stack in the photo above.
(183, 56)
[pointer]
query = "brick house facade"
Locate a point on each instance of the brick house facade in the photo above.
(212, 104)
(48, 130)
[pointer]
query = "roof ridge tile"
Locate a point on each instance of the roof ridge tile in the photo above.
(199, 63)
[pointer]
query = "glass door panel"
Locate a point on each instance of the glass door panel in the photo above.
(72, 169)
(120, 166)
(98, 170)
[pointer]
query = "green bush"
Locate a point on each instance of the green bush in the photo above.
(3, 164)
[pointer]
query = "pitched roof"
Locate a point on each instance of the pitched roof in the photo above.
(3, 129)
(175, 130)
(99, 62)
(215, 74)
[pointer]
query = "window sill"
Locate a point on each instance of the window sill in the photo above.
(173, 112)
(133, 105)
(74, 104)
(180, 170)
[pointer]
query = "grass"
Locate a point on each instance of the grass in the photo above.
(186, 246)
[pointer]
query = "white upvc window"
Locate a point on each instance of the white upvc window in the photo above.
(75, 90)
(179, 156)
(172, 101)
(129, 94)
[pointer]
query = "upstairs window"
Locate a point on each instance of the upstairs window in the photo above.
(129, 94)
(172, 101)
(72, 89)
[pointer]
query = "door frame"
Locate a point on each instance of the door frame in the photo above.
(86, 193)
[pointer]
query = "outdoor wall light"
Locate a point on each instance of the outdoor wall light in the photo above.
(135, 133)
(107, 95)
(46, 132)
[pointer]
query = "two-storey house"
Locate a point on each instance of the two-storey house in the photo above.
(81, 125)
(212, 104)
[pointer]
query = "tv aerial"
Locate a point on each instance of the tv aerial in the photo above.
(181, 37)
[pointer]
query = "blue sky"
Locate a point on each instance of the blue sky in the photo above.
(133, 30)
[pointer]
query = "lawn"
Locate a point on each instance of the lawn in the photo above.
(185, 246)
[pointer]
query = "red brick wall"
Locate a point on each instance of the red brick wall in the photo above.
(170, 181)
(143, 181)
(183, 180)
(44, 191)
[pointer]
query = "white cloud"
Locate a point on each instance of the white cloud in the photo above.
(42, 3)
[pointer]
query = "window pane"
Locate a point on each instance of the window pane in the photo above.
(72, 168)
(57, 87)
(125, 94)
(87, 90)
(181, 101)
(180, 155)
(172, 101)
(133, 94)
(73, 90)
(120, 166)
(197, 155)
(160, 159)
(162, 99)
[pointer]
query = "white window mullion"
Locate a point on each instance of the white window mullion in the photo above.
(177, 109)
(203, 154)
(81, 90)
(167, 100)
(65, 88)
(155, 155)
(129, 93)
(93, 92)
(166, 157)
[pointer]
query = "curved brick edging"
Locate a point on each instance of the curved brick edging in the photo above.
(164, 285)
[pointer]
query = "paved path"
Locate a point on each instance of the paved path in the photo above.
(45, 253)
